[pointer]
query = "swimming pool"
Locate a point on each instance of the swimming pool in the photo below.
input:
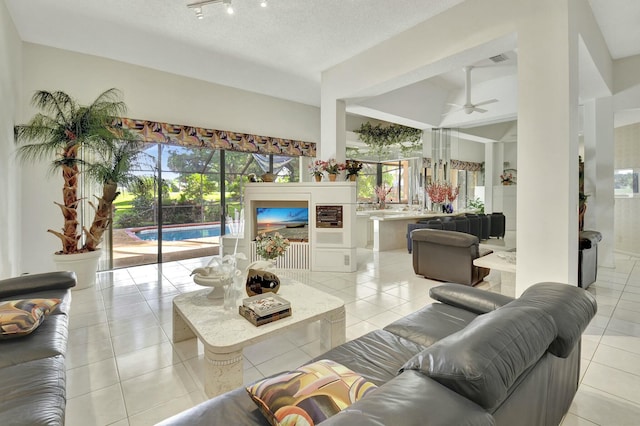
(181, 233)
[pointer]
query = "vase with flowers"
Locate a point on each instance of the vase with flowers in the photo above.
(352, 167)
(507, 179)
(271, 246)
(381, 193)
(316, 169)
(332, 167)
(442, 195)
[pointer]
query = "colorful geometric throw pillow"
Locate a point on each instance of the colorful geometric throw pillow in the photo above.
(21, 317)
(310, 394)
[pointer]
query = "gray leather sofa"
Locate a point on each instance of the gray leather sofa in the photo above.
(32, 367)
(447, 256)
(473, 358)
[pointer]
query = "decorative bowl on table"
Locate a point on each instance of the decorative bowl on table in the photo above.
(220, 272)
(217, 281)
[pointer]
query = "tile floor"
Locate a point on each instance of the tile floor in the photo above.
(123, 368)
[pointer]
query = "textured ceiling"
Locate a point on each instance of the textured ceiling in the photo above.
(279, 50)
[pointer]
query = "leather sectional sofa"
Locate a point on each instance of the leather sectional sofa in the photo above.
(32, 367)
(472, 358)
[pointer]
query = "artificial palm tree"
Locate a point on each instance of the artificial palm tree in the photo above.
(111, 169)
(72, 133)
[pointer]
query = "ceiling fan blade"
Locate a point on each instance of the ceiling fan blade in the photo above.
(455, 105)
(490, 101)
(476, 109)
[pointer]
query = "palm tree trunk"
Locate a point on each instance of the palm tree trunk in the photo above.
(102, 217)
(69, 235)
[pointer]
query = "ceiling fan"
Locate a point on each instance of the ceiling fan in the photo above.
(469, 107)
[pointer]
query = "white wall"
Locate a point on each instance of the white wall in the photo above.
(151, 95)
(465, 150)
(10, 76)
(627, 210)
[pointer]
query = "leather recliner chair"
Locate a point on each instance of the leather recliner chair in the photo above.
(588, 258)
(497, 224)
(485, 226)
(474, 225)
(447, 256)
(429, 224)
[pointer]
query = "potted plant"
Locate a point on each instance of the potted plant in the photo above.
(380, 139)
(317, 169)
(332, 167)
(352, 167)
(79, 139)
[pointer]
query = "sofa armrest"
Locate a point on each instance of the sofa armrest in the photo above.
(412, 399)
(37, 282)
(469, 298)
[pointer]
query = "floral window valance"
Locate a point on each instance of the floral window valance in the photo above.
(468, 166)
(175, 134)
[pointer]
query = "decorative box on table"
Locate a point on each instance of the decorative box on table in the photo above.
(264, 308)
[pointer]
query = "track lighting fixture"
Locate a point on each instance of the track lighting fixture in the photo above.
(197, 6)
(227, 4)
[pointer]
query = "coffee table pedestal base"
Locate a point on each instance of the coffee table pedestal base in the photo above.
(221, 372)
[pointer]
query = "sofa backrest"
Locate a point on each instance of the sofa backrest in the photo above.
(482, 361)
(571, 308)
(447, 238)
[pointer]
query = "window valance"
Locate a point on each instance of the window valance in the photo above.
(175, 134)
(468, 166)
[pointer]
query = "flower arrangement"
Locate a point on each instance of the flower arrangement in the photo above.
(316, 168)
(271, 246)
(506, 178)
(440, 192)
(332, 167)
(381, 192)
(352, 167)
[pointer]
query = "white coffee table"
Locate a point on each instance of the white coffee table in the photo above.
(224, 333)
(505, 262)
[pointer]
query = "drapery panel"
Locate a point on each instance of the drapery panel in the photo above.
(199, 137)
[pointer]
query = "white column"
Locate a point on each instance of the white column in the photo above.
(547, 202)
(489, 171)
(333, 130)
(498, 168)
(598, 179)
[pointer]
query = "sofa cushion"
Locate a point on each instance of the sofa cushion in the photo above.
(33, 393)
(482, 361)
(20, 317)
(431, 323)
(376, 356)
(50, 339)
(310, 394)
(571, 308)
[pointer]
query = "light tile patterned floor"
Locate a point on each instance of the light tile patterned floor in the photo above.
(123, 368)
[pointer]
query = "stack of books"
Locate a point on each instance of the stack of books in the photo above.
(264, 308)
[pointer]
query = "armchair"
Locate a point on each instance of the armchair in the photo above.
(447, 256)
